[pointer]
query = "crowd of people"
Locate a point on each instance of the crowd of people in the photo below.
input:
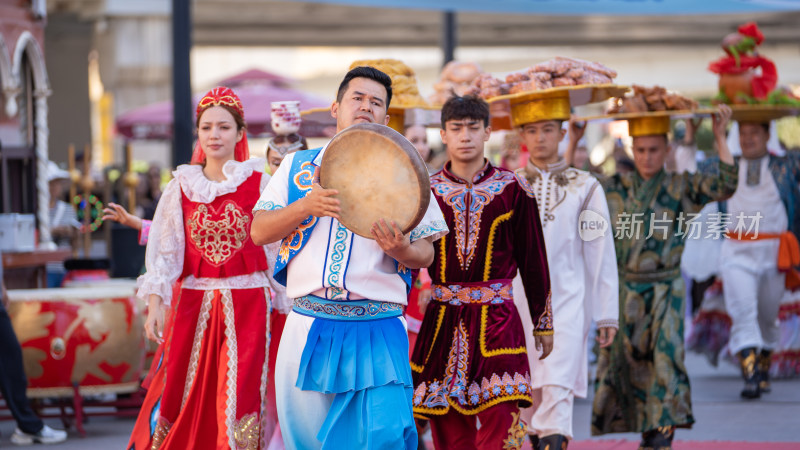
(279, 327)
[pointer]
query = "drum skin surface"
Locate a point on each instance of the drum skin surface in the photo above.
(379, 175)
(89, 336)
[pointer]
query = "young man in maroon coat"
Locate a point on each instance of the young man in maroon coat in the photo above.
(469, 359)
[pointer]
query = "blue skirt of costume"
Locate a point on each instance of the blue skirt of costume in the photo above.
(363, 360)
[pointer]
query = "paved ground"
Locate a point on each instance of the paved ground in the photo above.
(720, 415)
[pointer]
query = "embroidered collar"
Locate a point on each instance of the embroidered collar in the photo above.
(556, 171)
(553, 168)
(486, 170)
(200, 189)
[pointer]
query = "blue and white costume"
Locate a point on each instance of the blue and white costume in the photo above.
(342, 376)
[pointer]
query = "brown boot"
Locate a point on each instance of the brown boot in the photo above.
(764, 363)
(748, 360)
(553, 442)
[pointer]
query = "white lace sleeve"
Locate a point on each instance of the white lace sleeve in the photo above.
(165, 247)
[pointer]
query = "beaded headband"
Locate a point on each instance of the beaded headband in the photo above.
(220, 96)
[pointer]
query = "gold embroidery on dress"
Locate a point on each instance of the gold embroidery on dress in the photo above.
(217, 240)
(265, 374)
(439, 321)
(160, 434)
(197, 343)
(246, 432)
(516, 434)
(233, 353)
(487, 266)
(482, 339)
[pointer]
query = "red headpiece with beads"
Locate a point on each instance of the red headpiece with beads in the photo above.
(222, 96)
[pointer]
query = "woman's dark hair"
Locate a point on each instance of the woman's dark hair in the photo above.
(366, 72)
(466, 107)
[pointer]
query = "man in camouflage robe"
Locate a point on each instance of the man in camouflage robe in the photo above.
(642, 384)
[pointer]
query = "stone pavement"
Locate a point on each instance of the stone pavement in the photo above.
(720, 415)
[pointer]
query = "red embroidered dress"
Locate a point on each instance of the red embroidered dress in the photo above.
(470, 353)
(210, 391)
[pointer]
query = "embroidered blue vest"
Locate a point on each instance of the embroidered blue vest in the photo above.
(301, 179)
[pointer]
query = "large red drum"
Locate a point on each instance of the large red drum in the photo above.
(89, 336)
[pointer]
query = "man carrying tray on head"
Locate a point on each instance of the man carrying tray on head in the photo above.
(758, 262)
(469, 360)
(642, 385)
(582, 261)
(342, 374)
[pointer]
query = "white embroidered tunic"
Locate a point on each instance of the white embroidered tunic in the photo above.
(337, 264)
(583, 271)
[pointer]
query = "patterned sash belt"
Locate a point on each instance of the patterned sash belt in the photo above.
(321, 308)
(488, 292)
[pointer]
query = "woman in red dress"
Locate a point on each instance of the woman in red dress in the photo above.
(210, 387)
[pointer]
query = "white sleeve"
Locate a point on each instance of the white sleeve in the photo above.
(685, 158)
(432, 224)
(276, 193)
(165, 247)
(600, 263)
(279, 299)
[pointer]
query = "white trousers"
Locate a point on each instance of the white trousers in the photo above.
(752, 299)
(551, 412)
(300, 413)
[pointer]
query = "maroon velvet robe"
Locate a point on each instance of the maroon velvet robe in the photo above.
(470, 352)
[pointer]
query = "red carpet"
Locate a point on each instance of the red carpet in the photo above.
(681, 445)
(621, 444)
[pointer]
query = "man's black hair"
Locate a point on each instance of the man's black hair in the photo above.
(466, 107)
(764, 125)
(366, 72)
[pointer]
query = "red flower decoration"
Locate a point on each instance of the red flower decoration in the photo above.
(751, 29)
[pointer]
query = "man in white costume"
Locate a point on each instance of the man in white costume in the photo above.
(757, 263)
(583, 269)
(342, 376)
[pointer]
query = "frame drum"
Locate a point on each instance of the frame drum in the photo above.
(379, 175)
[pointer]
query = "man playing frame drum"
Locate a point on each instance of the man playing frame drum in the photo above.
(342, 374)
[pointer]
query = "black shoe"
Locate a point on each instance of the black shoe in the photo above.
(553, 442)
(749, 363)
(764, 363)
(657, 439)
(662, 438)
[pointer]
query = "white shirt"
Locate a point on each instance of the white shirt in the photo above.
(583, 273)
(337, 264)
(762, 198)
(166, 243)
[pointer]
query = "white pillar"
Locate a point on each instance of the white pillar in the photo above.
(42, 157)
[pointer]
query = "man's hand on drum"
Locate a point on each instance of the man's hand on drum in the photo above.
(320, 202)
(391, 239)
(154, 325)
